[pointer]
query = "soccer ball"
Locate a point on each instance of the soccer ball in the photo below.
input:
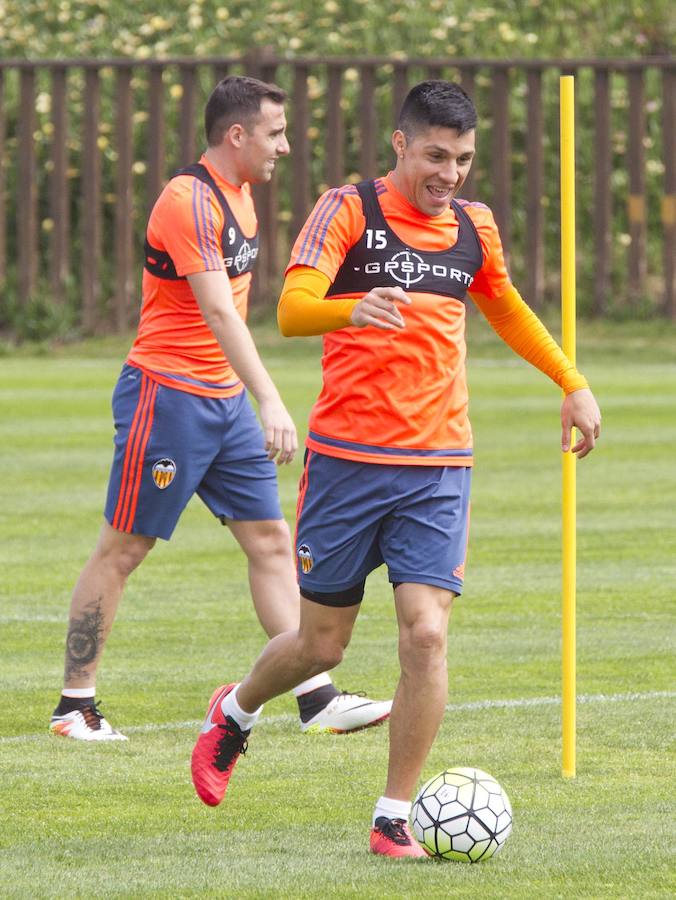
(462, 814)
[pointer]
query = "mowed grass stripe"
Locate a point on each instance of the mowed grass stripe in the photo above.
(287, 719)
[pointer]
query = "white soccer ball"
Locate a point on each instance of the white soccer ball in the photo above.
(462, 814)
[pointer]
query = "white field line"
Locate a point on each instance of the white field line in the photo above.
(517, 703)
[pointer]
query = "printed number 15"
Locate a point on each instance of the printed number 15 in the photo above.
(375, 238)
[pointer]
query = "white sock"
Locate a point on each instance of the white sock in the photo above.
(79, 693)
(392, 809)
(231, 707)
(312, 684)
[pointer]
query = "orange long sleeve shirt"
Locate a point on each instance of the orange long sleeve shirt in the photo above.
(401, 397)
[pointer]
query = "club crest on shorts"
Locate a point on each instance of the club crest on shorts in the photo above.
(305, 558)
(164, 471)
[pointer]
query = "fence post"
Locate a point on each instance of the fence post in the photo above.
(535, 178)
(266, 199)
(637, 210)
(368, 123)
(187, 115)
(27, 209)
(669, 199)
(399, 90)
(602, 216)
(59, 206)
(501, 168)
(301, 149)
(3, 184)
(156, 148)
(91, 202)
(335, 128)
(467, 76)
(124, 211)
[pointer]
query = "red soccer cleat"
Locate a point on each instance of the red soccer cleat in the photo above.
(217, 749)
(392, 837)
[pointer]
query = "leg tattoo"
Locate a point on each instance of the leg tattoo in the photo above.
(84, 640)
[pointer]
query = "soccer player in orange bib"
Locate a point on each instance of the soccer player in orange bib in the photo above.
(183, 420)
(383, 269)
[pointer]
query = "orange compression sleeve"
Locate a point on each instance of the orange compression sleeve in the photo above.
(518, 326)
(303, 308)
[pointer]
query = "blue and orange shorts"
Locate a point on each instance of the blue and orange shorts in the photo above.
(354, 516)
(171, 444)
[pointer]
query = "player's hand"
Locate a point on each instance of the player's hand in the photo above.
(580, 410)
(379, 308)
(279, 430)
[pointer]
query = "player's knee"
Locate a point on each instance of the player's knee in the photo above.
(328, 658)
(129, 560)
(324, 654)
(272, 542)
(123, 559)
(423, 642)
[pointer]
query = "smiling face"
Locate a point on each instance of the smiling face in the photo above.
(262, 143)
(432, 165)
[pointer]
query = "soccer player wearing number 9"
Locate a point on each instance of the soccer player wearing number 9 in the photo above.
(184, 424)
(382, 270)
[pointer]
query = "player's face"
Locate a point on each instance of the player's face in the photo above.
(264, 142)
(432, 166)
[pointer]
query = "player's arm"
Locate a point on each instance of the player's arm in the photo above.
(305, 310)
(213, 293)
(519, 327)
(332, 228)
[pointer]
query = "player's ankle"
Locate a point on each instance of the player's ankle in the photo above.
(392, 809)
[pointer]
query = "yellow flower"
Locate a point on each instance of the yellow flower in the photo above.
(314, 88)
(43, 103)
(506, 32)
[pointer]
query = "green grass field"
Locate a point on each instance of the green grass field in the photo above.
(123, 820)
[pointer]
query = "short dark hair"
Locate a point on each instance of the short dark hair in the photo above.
(440, 103)
(236, 99)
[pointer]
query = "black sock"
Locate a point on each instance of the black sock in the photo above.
(68, 704)
(314, 701)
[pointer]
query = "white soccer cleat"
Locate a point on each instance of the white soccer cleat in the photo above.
(348, 712)
(85, 724)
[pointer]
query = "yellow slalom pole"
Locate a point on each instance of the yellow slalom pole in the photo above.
(567, 94)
